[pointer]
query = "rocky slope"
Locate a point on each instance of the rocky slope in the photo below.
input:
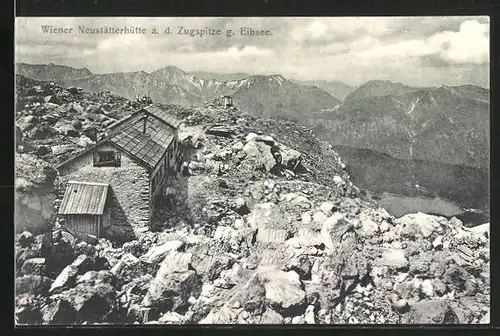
(264, 226)
(53, 124)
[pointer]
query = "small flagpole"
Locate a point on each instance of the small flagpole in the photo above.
(149, 89)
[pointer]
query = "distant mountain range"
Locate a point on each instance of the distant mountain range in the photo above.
(449, 124)
(265, 95)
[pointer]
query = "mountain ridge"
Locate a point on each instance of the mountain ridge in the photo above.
(338, 89)
(378, 87)
(434, 124)
(174, 85)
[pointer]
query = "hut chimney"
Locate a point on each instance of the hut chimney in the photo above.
(144, 119)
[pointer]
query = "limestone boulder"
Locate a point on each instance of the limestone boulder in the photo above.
(252, 295)
(59, 312)
(421, 223)
(270, 316)
(481, 230)
(459, 279)
(157, 253)
(34, 284)
(61, 149)
(65, 279)
(393, 259)
(68, 130)
(25, 239)
(431, 312)
(224, 315)
(210, 267)
(27, 310)
(92, 278)
(368, 227)
(327, 208)
(333, 230)
(173, 284)
(283, 289)
(172, 318)
(94, 304)
(84, 141)
(36, 266)
(261, 153)
(264, 215)
(289, 157)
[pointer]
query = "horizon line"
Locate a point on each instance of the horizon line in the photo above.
(249, 75)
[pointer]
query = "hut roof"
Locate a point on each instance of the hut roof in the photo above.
(163, 115)
(140, 145)
(127, 135)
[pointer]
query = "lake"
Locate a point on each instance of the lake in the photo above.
(409, 186)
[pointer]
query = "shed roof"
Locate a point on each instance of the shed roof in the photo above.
(163, 115)
(84, 198)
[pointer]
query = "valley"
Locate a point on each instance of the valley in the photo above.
(408, 186)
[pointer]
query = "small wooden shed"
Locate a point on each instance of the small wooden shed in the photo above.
(226, 101)
(84, 208)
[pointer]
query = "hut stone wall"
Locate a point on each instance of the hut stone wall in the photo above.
(129, 194)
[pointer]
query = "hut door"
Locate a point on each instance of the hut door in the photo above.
(106, 219)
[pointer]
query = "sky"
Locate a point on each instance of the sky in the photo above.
(417, 51)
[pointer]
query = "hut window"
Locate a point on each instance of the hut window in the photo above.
(107, 158)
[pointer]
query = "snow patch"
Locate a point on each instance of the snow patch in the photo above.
(412, 108)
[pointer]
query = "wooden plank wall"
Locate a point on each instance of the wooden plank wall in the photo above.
(84, 224)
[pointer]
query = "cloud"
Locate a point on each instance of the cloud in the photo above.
(250, 50)
(350, 49)
(338, 29)
(403, 49)
(469, 45)
(122, 43)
